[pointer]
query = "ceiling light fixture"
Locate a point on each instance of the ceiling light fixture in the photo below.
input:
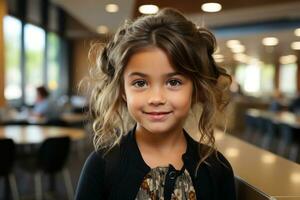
(218, 56)
(297, 32)
(112, 8)
(270, 41)
(102, 29)
(243, 58)
(232, 43)
(295, 45)
(211, 7)
(238, 49)
(148, 9)
(289, 59)
(219, 60)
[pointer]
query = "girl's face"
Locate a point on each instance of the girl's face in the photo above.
(158, 98)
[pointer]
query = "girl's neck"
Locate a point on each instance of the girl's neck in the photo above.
(161, 142)
(161, 149)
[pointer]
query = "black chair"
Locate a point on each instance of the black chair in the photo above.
(290, 143)
(7, 157)
(51, 159)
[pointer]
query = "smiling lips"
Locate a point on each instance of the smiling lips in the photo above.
(157, 115)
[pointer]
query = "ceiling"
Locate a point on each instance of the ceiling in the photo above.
(246, 20)
(92, 12)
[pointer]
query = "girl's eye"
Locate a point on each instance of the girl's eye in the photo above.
(139, 84)
(174, 82)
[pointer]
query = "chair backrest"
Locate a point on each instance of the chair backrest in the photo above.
(53, 154)
(7, 156)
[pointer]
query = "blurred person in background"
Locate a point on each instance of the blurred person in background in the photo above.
(277, 103)
(294, 106)
(42, 104)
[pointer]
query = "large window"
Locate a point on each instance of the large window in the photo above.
(288, 79)
(53, 61)
(252, 79)
(34, 65)
(267, 79)
(248, 76)
(33, 52)
(256, 78)
(12, 39)
(35, 71)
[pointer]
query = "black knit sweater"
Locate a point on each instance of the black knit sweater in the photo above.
(118, 174)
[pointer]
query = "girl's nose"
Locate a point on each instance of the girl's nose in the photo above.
(157, 97)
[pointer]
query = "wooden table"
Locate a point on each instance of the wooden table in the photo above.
(33, 134)
(271, 175)
(74, 117)
(67, 117)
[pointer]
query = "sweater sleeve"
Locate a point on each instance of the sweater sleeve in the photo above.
(91, 182)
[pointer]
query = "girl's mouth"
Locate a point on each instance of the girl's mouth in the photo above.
(157, 116)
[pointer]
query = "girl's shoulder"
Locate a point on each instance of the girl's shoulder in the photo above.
(219, 166)
(214, 160)
(98, 159)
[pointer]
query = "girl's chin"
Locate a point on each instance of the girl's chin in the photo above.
(157, 128)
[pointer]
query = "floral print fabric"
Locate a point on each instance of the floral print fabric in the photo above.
(152, 187)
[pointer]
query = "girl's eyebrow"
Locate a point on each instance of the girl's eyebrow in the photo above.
(145, 75)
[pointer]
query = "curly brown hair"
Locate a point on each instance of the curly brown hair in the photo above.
(190, 50)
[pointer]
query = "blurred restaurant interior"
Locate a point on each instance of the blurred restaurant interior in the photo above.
(44, 47)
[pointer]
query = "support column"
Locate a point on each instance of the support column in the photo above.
(276, 78)
(297, 53)
(3, 11)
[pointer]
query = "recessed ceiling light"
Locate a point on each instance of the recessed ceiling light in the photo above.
(148, 9)
(253, 60)
(270, 41)
(297, 32)
(218, 58)
(241, 57)
(288, 59)
(295, 45)
(102, 29)
(211, 7)
(238, 49)
(232, 43)
(112, 8)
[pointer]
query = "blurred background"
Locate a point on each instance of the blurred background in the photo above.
(45, 43)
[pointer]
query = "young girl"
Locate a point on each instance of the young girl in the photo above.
(148, 78)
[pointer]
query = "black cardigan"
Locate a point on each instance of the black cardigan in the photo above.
(119, 173)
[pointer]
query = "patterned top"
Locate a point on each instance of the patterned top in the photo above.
(154, 184)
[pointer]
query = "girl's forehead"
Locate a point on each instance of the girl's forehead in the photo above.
(151, 61)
